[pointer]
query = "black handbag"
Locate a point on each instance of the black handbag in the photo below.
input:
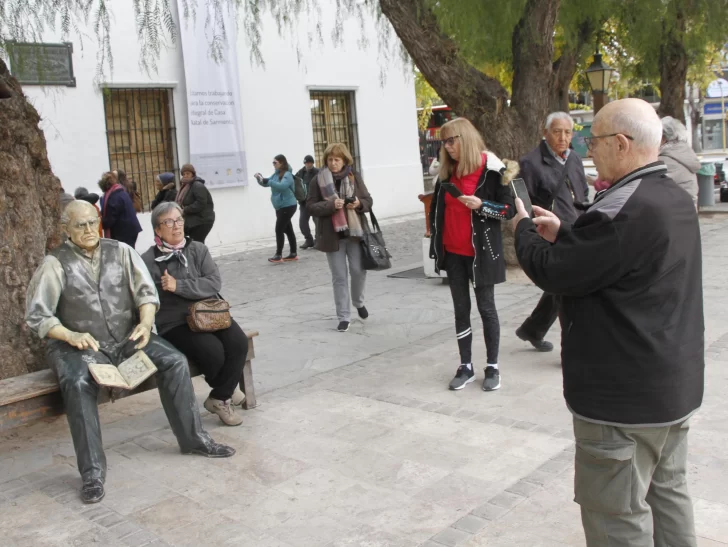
(374, 253)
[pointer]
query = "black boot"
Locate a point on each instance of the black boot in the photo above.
(92, 491)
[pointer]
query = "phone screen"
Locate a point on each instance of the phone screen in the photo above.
(520, 191)
(451, 189)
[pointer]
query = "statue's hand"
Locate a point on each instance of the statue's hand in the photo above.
(82, 340)
(141, 333)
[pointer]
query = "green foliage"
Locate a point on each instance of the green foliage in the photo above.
(426, 99)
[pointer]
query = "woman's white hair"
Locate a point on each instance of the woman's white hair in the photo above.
(558, 116)
(673, 130)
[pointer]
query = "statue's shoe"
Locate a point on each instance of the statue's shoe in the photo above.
(92, 491)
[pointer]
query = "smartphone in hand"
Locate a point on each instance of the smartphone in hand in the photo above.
(451, 189)
(520, 191)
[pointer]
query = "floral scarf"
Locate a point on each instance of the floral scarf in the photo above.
(171, 251)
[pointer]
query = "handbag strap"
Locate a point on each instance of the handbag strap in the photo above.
(375, 224)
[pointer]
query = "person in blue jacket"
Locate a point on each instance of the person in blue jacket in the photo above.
(118, 216)
(284, 202)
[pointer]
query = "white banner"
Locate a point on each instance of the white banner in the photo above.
(215, 117)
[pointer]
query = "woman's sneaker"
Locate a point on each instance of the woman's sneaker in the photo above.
(492, 379)
(291, 257)
(343, 326)
(463, 377)
(275, 259)
(238, 397)
(224, 410)
(363, 313)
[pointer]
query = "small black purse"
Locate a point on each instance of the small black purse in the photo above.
(374, 253)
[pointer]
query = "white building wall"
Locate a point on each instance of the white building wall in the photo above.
(276, 118)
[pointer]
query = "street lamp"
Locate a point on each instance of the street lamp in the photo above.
(599, 75)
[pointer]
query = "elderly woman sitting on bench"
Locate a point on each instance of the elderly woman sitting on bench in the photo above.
(185, 273)
(95, 302)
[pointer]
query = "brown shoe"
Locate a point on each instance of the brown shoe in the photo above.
(224, 410)
(238, 397)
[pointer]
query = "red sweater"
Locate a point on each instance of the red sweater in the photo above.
(457, 236)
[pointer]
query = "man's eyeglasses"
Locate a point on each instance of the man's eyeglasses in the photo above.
(91, 224)
(589, 141)
(172, 221)
(450, 140)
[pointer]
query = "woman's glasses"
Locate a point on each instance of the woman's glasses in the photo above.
(173, 221)
(450, 140)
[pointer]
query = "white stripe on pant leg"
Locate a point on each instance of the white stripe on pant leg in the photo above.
(465, 333)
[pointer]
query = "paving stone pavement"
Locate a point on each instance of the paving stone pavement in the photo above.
(357, 441)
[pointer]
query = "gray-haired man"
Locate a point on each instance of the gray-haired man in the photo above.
(554, 176)
(95, 302)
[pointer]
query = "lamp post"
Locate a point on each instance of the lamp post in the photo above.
(599, 75)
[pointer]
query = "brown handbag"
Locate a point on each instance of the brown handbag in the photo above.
(209, 315)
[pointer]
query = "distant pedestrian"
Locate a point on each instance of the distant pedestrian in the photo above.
(629, 275)
(338, 198)
(472, 197)
(675, 152)
(117, 212)
(307, 173)
(84, 195)
(284, 202)
(166, 189)
(131, 188)
(556, 181)
(196, 201)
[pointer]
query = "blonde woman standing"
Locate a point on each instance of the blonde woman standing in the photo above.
(338, 199)
(471, 199)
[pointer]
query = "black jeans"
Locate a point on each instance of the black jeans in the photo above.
(460, 275)
(220, 355)
(303, 221)
(80, 391)
(199, 232)
(543, 316)
(284, 226)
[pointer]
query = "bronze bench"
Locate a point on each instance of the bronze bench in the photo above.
(30, 397)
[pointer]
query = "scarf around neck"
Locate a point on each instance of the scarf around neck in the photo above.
(343, 219)
(171, 251)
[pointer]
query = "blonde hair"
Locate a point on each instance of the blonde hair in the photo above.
(472, 147)
(338, 150)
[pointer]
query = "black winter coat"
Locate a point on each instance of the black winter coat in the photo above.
(554, 186)
(198, 206)
(489, 264)
(629, 274)
(168, 193)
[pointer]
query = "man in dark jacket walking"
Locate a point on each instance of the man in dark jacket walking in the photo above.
(555, 178)
(307, 173)
(629, 275)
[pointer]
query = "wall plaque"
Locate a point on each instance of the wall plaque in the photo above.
(42, 64)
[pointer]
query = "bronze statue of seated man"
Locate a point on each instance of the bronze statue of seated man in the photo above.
(95, 302)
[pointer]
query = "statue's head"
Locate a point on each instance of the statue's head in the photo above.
(80, 220)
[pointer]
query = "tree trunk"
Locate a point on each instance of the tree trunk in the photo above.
(564, 67)
(29, 218)
(509, 132)
(673, 70)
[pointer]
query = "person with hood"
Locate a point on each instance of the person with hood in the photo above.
(84, 195)
(471, 200)
(196, 201)
(682, 163)
(166, 189)
(117, 212)
(284, 202)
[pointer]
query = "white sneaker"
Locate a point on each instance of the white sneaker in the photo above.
(238, 397)
(224, 410)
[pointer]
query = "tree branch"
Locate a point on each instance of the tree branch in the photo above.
(464, 88)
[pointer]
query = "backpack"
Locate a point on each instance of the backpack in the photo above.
(299, 189)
